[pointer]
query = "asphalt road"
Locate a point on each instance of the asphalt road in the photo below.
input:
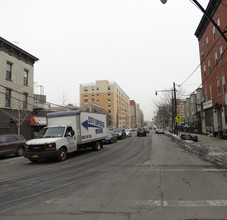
(136, 178)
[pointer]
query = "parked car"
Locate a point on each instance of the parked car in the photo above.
(141, 132)
(128, 133)
(120, 132)
(110, 138)
(159, 130)
(12, 144)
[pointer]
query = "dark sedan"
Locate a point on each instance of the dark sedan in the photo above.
(120, 132)
(110, 138)
(141, 132)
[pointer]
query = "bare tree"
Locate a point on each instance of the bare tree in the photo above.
(18, 118)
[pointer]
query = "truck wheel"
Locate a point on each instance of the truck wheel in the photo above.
(97, 146)
(20, 151)
(63, 154)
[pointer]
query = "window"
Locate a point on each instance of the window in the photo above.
(97, 88)
(216, 57)
(213, 29)
(218, 21)
(221, 53)
(25, 100)
(85, 89)
(8, 71)
(207, 42)
(223, 83)
(202, 49)
(93, 94)
(97, 100)
(206, 98)
(208, 62)
(25, 77)
(92, 89)
(218, 86)
(204, 70)
(85, 100)
(108, 87)
(93, 100)
(8, 98)
(211, 96)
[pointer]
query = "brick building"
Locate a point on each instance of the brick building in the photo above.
(213, 57)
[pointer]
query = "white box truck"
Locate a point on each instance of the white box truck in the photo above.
(67, 132)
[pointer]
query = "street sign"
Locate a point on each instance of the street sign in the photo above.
(178, 118)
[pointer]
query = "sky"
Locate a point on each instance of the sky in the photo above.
(142, 45)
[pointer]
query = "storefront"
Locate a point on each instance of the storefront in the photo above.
(37, 123)
(209, 121)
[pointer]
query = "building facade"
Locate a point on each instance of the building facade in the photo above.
(16, 86)
(115, 101)
(213, 57)
(133, 114)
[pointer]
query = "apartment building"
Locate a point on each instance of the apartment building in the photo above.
(110, 95)
(133, 114)
(213, 57)
(16, 84)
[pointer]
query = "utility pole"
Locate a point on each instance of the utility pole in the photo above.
(175, 108)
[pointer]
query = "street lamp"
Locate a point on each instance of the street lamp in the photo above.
(163, 1)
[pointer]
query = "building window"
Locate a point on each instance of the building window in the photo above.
(85, 89)
(97, 88)
(25, 77)
(8, 71)
(85, 95)
(92, 89)
(208, 62)
(204, 70)
(25, 100)
(207, 42)
(221, 53)
(218, 86)
(93, 100)
(223, 83)
(85, 100)
(97, 100)
(218, 21)
(108, 87)
(202, 49)
(213, 29)
(93, 94)
(211, 96)
(206, 98)
(8, 98)
(216, 57)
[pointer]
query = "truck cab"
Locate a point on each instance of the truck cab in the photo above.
(51, 141)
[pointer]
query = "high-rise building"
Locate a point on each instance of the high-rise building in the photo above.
(110, 95)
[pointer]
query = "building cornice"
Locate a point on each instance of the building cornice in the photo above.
(13, 50)
(211, 9)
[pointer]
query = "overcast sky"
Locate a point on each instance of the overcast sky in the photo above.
(142, 45)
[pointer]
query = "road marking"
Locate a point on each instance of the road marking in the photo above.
(180, 203)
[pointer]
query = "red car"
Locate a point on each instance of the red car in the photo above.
(12, 144)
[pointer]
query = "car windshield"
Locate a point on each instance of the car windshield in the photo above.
(51, 132)
(118, 130)
(109, 134)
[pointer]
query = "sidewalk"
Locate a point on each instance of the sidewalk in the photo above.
(210, 141)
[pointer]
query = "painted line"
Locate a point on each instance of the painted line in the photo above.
(180, 203)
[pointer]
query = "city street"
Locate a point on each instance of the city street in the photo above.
(136, 178)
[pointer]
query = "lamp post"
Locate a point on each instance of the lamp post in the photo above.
(207, 15)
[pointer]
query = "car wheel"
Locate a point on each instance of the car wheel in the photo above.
(20, 151)
(63, 154)
(97, 146)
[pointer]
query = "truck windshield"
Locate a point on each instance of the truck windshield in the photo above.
(51, 132)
